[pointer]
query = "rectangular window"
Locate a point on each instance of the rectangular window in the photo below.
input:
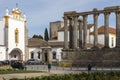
(38, 55)
(54, 55)
(32, 55)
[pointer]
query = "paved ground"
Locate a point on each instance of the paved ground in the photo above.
(22, 75)
(55, 70)
(28, 75)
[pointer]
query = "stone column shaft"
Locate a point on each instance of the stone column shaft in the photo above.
(49, 55)
(70, 33)
(85, 31)
(80, 33)
(117, 29)
(65, 33)
(95, 30)
(75, 37)
(106, 31)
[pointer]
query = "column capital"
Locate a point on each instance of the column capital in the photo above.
(106, 13)
(65, 17)
(80, 20)
(70, 17)
(117, 12)
(95, 11)
(96, 15)
(85, 17)
(74, 17)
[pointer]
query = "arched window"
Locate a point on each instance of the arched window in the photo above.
(54, 55)
(16, 36)
(32, 55)
(38, 55)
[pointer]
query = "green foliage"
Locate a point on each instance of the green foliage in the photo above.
(46, 37)
(82, 76)
(37, 36)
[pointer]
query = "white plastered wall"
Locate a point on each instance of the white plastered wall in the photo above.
(58, 53)
(35, 50)
(2, 53)
(13, 24)
(2, 33)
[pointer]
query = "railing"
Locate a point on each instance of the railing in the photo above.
(71, 68)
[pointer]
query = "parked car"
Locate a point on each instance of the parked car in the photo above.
(5, 62)
(18, 64)
(33, 62)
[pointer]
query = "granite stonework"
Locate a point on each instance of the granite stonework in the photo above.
(79, 54)
(105, 57)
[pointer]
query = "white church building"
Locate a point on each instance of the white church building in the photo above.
(15, 45)
(13, 35)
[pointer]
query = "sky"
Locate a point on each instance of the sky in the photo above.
(41, 12)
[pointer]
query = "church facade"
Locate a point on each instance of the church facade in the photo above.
(13, 36)
(15, 45)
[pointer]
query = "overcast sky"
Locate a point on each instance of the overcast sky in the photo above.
(40, 12)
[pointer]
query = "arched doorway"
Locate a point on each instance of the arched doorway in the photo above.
(16, 54)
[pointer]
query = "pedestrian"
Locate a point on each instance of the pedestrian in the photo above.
(89, 67)
(49, 67)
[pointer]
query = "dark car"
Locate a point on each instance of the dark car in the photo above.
(5, 62)
(33, 62)
(17, 64)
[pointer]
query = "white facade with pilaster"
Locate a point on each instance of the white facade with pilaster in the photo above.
(12, 33)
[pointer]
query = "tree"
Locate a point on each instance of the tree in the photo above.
(46, 37)
(37, 36)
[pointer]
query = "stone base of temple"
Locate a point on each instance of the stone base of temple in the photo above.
(105, 57)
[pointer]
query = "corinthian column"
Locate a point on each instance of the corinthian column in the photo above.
(65, 33)
(85, 31)
(75, 37)
(95, 30)
(118, 29)
(106, 31)
(80, 33)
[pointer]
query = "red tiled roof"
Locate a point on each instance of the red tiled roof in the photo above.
(36, 42)
(101, 30)
(90, 26)
(56, 44)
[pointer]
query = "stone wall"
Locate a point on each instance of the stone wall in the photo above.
(105, 57)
